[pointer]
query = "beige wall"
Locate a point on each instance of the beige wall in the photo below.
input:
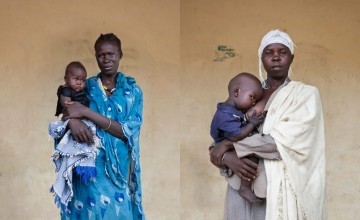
(327, 36)
(38, 38)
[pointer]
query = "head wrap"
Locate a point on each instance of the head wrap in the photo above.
(274, 36)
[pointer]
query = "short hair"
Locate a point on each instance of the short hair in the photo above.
(74, 64)
(110, 37)
(243, 79)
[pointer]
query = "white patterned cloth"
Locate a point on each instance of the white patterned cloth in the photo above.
(70, 155)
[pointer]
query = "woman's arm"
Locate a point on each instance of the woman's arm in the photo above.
(111, 126)
(217, 152)
(243, 167)
(223, 154)
(80, 131)
(75, 110)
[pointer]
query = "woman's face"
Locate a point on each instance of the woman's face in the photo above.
(108, 57)
(277, 59)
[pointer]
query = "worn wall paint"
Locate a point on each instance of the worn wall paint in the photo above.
(39, 38)
(326, 34)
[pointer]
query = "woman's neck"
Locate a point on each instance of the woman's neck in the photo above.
(108, 80)
(274, 83)
(109, 83)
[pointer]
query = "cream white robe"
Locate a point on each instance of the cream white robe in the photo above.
(296, 184)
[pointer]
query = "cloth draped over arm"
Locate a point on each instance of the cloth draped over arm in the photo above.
(296, 184)
(70, 158)
(261, 146)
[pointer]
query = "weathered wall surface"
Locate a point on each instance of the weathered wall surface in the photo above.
(327, 37)
(172, 49)
(38, 39)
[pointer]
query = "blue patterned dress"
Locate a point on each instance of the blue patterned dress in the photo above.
(115, 193)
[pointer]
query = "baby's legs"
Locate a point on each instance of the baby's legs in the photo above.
(245, 188)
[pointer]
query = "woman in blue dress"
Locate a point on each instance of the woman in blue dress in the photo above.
(116, 109)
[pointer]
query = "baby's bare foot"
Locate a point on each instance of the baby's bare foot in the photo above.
(249, 196)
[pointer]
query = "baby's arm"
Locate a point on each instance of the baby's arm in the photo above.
(63, 100)
(255, 115)
(252, 122)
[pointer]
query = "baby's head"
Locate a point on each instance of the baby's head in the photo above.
(75, 76)
(244, 91)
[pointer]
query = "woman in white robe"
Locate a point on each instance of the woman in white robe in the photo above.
(294, 185)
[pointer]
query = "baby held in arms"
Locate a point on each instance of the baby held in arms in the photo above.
(238, 117)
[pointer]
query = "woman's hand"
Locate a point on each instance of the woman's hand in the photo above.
(74, 110)
(243, 167)
(217, 152)
(80, 131)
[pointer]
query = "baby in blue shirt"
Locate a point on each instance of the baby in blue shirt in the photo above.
(231, 121)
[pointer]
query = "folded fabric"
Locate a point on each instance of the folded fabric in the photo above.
(297, 183)
(71, 156)
(263, 147)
